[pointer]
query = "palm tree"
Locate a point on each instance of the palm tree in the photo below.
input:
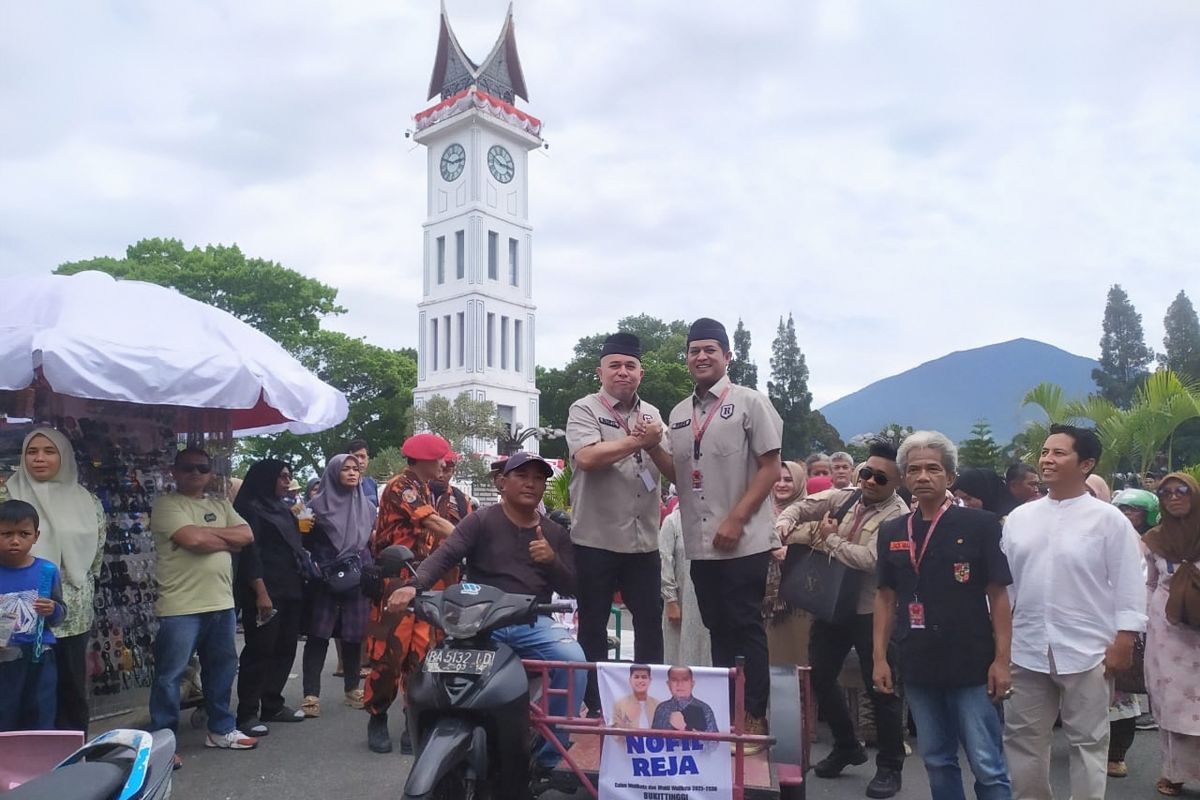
(1162, 403)
(1058, 410)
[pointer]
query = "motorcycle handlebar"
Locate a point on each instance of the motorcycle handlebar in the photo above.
(554, 608)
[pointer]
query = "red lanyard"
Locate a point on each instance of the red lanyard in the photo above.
(912, 553)
(622, 421)
(698, 429)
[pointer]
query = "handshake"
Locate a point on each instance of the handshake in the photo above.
(647, 434)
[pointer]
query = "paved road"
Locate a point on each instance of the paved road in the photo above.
(327, 759)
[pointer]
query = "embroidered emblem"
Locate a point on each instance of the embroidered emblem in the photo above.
(962, 571)
(647, 418)
(727, 411)
(612, 423)
(901, 545)
(681, 424)
(210, 517)
(409, 496)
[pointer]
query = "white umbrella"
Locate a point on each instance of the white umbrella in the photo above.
(95, 337)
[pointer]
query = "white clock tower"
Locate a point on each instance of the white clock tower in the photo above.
(476, 313)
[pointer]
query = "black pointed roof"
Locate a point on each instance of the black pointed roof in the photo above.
(499, 75)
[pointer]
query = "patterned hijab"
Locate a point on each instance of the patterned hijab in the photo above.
(799, 484)
(70, 533)
(345, 514)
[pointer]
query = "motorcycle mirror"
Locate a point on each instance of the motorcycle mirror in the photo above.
(393, 558)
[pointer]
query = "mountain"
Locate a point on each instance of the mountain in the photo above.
(950, 393)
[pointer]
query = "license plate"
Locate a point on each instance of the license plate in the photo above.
(463, 662)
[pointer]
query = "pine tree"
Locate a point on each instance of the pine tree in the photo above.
(1124, 356)
(742, 370)
(1182, 339)
(788, 390)
(981, 449)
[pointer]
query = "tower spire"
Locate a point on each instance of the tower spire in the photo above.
(499, 75)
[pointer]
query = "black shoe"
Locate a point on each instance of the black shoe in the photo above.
(405, 744)
(545, 779)
(253, 727)
(377, 734)
(594, 713)
(832, 765)
(1145, 722)
(885, 783)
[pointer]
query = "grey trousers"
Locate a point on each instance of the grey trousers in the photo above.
(1038, 699)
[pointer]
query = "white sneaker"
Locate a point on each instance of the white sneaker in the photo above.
(234, 740)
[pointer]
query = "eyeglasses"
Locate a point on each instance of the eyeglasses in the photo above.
(866, 474)
(1178, 491)
(203, 469)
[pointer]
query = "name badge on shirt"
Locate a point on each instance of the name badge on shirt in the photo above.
(916, 615)
(648, 480)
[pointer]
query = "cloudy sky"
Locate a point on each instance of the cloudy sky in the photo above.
(907, 178)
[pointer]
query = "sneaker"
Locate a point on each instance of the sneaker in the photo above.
(832, 765)
(1146, 722)
(253, 728)
(758, 727)
(354, 698)
(234, 740)
(885, 783)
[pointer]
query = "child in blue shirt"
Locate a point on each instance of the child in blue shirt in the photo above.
(30, 602)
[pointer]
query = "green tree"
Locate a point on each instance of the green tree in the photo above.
(788, 390)
(1181, 339)
(471, 426)
(742, 370)
(1124, 356)
(980, 450)
(280, 302)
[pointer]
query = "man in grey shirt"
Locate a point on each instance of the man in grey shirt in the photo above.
(614, 436)
(725, 441)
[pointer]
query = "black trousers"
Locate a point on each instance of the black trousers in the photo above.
(1120, 737)
(730, 595)
(267, 659)
(315, 650)
(70, 654)
(638, 577)
(831, 643)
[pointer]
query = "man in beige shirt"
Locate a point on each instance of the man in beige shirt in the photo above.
(852, 542)
(613, 437)
(725, 441)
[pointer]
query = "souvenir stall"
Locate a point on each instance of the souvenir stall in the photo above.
(128, 391)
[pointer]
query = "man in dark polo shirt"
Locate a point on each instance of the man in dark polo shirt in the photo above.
(515, 548)
(940, 570)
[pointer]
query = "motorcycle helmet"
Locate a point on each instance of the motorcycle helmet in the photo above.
(1139, 498)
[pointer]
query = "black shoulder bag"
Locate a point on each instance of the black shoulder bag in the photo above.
(817, 582)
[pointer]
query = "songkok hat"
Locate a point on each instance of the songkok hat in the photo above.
(425, 447)
(622, 344)
(521, 458)
(705, 328)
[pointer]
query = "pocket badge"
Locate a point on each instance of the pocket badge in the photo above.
(962, 572)
(727, 411)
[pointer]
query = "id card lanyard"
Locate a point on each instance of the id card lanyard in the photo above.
(643, 472)
(698, 432)
(916, 609)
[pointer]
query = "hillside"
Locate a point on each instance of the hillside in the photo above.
(950, 393)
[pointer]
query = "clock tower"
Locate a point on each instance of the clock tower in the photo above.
(476, 315)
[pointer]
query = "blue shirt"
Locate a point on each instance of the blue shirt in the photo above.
(19, 587)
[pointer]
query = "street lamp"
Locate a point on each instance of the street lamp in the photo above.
(511, 442)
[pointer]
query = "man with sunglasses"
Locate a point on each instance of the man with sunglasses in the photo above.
(194, 535)
(849, 523)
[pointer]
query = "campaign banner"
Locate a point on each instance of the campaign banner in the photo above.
(662, 700)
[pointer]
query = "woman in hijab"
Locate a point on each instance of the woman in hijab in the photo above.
(1173, 633)
(983, 488)
(73, 528)
(787, 628)
(341, 529)
(270, 592)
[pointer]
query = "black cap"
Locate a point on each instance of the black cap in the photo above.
(705, 328)
(521, 458)
(498, 464)
(622, 344)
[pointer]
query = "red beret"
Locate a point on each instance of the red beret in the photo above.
(425, 447)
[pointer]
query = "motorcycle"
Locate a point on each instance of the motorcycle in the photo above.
(468, 704)
(122, 764)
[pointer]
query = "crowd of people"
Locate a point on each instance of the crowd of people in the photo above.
(989, 607)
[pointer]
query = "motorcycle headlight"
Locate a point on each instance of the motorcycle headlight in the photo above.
(463, 622)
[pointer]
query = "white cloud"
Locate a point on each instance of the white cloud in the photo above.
(907, 178)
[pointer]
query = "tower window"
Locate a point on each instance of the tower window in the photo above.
(517, 345)
(433, 342)
(491, 340)
(504, 343)
(514, 263)
(460, 254)
(441, 259)
(493, 256)
(462, 338)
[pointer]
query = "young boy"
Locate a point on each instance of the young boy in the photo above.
(30, 602)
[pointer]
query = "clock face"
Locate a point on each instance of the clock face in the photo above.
(453, 160)
(500, 162)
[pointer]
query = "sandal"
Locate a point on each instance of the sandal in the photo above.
(177, 762)
(354, 698)
(1117, 769)
(1168, 788)
(284, 714)
(311, 706)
